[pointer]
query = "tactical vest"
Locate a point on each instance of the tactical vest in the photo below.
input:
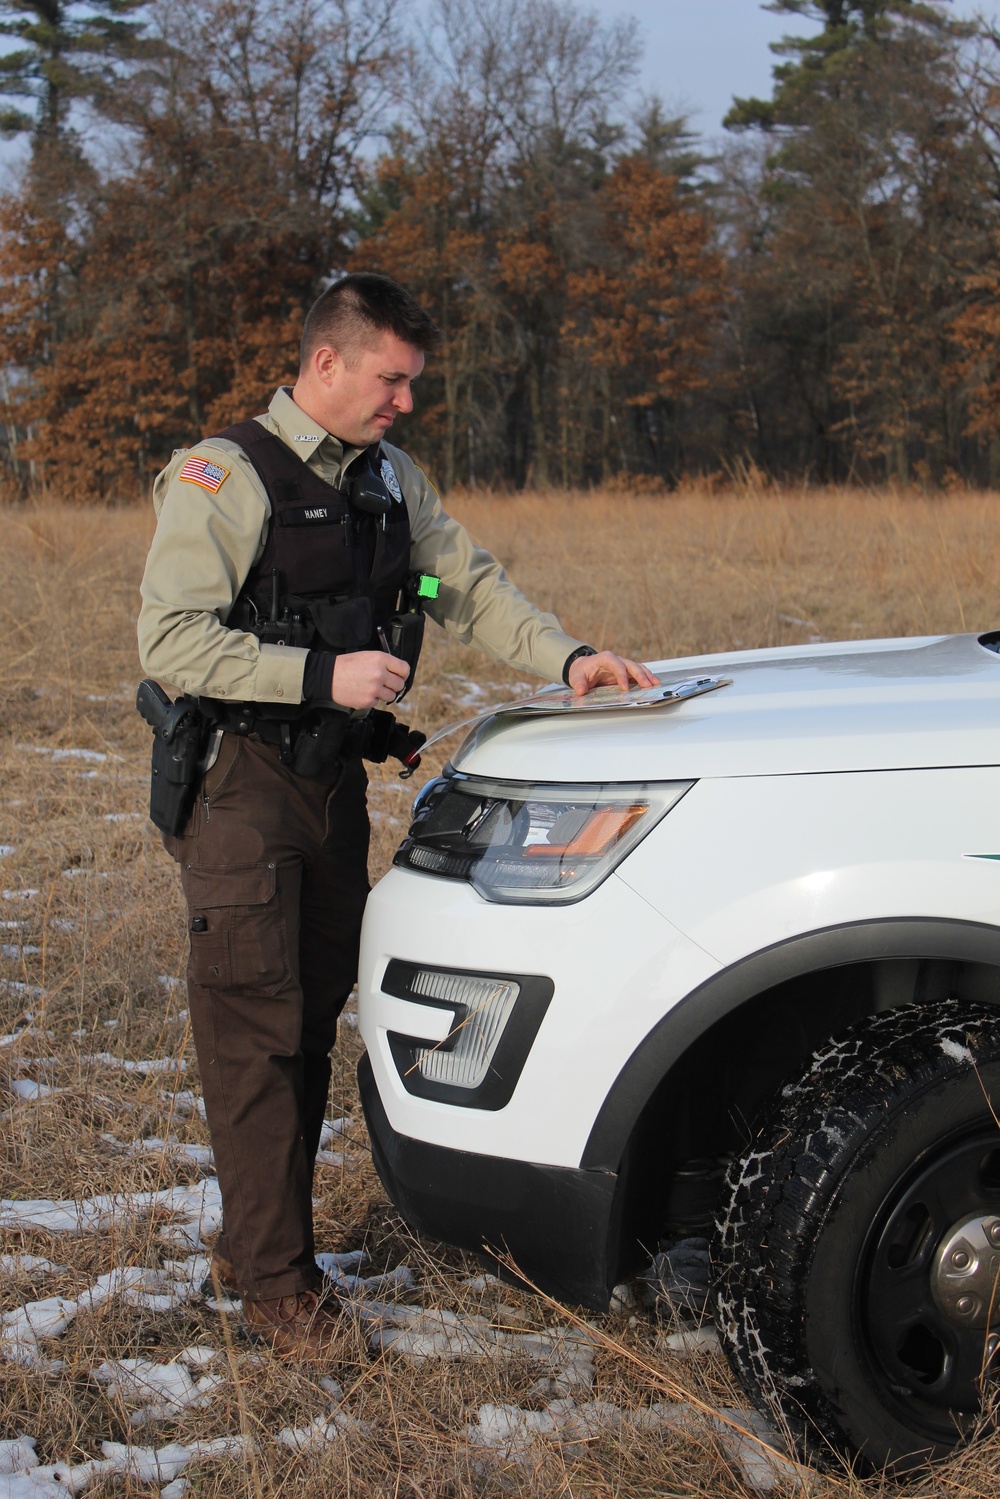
(331, 573)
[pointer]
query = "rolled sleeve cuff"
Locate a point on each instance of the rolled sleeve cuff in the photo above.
(280, 669)
(550, 654)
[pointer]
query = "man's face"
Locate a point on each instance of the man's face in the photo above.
(358, 399)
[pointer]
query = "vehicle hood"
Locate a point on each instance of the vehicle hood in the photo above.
(792, 710)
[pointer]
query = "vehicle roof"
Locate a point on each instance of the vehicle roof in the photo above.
(846, 706)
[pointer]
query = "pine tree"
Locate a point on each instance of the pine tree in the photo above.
(815, 62)
(68, 52)
(868, 213)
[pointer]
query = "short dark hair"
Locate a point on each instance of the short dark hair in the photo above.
(347, 314)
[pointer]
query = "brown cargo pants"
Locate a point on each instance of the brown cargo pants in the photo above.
(274, 868)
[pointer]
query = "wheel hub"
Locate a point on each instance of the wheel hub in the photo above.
(965, 1274)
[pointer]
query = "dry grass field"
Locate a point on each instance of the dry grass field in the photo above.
(99, 1085)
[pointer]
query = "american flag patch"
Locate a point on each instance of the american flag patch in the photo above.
(209, 475)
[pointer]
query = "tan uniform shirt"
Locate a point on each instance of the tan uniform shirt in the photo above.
(207, 538)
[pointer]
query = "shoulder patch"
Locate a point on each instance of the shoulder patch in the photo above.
(209, 475)
(390, 481)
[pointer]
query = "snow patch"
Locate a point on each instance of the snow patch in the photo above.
(332, 1127)
(139, 1464)
(515, 1434)
(481, 1282)
(58, 755)
(419, 1334)
(162, 1290)
(25, 1088)
(158, 1392)
(185, 1104)
(690, 1341)
(197, 1210)
(181, 1152)
(28, 1264)
(144, 1067)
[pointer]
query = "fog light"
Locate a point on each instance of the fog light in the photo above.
(463, 1058)
(491, 1019)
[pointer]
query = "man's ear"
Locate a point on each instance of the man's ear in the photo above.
(327, 364)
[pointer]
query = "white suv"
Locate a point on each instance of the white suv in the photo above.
(732, 957)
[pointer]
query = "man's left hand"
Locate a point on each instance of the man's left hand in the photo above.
(608, 670)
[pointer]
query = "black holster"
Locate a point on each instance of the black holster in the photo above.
(180, 736)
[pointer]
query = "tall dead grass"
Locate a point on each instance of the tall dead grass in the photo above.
(99, 946)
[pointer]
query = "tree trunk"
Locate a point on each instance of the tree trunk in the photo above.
(541, 454)
(451, 422)
(191, 336)
(564, 379)
(900, 461)
(993, 460)
(11, 425)
(605, 428)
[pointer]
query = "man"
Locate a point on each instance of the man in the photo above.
(280, 551)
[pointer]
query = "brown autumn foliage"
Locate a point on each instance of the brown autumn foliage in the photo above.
(624, 322)
(643, 318)
(820, 299)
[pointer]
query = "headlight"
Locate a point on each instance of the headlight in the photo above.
(535, 844)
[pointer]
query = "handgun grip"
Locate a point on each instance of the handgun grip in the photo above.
(152, 703)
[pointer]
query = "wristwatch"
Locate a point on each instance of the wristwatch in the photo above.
(581, 650)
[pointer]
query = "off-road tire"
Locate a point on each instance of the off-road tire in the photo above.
(810, 1283)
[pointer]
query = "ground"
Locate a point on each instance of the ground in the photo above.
(447, 1382)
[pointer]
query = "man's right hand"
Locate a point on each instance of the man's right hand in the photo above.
(363, 679)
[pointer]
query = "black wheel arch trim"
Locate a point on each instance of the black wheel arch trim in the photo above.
(810, 952)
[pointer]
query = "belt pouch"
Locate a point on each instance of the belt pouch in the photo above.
(318, 747)
(405, 634)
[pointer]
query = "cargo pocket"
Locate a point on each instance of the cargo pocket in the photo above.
(237, 929)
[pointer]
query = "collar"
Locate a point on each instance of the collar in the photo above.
(304, 436)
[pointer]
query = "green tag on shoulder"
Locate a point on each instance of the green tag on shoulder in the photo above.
(428, 586)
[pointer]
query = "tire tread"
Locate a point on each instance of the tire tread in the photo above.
(777, 1196)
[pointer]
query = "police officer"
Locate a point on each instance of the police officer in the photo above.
(280, 551)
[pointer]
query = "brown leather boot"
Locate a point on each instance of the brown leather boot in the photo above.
(221, 1280)
(297, 1326)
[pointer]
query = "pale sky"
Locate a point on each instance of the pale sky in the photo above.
(695, 53)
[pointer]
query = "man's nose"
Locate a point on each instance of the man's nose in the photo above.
(403, 399)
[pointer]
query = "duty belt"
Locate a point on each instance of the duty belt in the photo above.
(315, 740)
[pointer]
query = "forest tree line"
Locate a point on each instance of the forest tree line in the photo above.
(820, 299)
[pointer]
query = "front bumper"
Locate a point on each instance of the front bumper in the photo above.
(558, 1224)
(615, 967)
